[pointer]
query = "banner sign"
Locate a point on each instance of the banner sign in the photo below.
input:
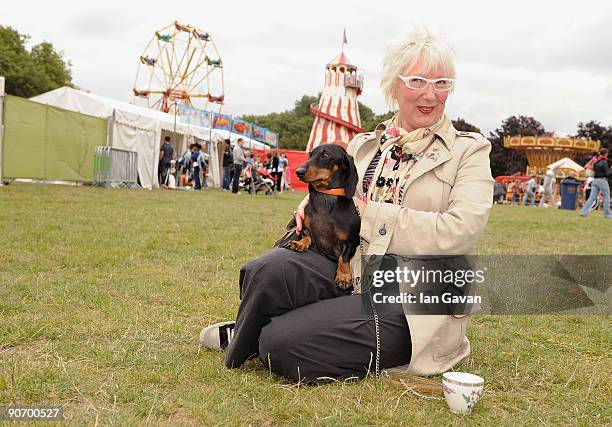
(241, 127)
(194, 116)
(203, 118)
(259, 133)
(271, 139)
(222, 121)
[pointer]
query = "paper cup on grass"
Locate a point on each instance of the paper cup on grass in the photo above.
(462, 391)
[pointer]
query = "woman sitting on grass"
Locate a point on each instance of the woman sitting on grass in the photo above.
(435, 202)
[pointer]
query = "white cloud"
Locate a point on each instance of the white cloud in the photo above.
(549, 60)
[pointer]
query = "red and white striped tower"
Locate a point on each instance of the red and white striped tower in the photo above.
(336, 116)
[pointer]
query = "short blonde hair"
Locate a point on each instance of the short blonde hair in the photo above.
(433, 52)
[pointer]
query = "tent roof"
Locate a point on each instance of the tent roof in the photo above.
(96, 105)
(565, 163)
(100, 106)
(341, 59)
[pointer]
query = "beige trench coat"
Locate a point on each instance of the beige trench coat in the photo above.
(446, 206)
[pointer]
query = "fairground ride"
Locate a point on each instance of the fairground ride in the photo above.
(181, 65)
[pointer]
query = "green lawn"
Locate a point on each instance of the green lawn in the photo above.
(103, 294)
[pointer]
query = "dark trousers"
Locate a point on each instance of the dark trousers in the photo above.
(303, 327)
(279, 178)
(162, 173)
(227, 177)
(196, 179)
(236, 180)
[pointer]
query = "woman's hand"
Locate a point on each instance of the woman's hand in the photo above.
(299, 214)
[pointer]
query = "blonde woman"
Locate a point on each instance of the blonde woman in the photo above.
(424, 189)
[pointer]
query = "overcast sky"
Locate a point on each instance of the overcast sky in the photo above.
(550, 60)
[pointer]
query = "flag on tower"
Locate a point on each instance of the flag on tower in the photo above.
(344, 37)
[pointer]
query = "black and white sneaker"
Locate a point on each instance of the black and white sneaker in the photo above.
(217, 336)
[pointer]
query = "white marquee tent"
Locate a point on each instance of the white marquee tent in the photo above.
(566, 163)
(139, 129)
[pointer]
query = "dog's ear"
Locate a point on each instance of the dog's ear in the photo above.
(350, 186)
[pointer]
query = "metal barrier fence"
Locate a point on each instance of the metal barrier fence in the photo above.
(115, 168)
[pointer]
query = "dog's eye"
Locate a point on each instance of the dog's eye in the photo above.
(324, 155)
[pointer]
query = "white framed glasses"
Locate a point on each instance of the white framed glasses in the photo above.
(417, 82)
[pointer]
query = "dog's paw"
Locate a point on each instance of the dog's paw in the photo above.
(344, 280)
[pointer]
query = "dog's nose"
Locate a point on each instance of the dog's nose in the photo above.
(300, 172)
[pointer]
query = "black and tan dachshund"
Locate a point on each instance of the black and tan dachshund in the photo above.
(331, 222)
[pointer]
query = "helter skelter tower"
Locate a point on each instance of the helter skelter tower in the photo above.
(336, 116)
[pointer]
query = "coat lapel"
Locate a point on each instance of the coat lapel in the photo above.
(436, 155)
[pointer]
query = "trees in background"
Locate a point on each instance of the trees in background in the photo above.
(292, 126)
(594, 130)
(503, 160)
(30, 73)
(462, 125)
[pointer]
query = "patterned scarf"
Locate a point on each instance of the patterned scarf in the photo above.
(400, 151)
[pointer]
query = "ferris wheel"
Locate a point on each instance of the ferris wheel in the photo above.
(181, 65)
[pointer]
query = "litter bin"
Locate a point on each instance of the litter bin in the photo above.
(569, 194)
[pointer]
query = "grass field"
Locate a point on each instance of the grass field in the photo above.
(103, 294)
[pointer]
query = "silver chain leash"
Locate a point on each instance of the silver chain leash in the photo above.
(374, 312)
(410, 389)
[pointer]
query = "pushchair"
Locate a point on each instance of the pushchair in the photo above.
(254, 182)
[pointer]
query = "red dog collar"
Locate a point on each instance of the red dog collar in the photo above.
(333, 191)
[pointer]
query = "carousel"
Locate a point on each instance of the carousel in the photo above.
(543, 151)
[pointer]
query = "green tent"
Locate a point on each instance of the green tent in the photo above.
(49, 143)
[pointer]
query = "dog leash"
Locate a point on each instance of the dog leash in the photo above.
(374, 312)
(416, 384)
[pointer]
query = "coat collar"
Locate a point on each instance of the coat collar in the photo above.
(439, 152)
(446, 132)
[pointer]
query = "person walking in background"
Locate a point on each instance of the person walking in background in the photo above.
(279, 173)
(286, 173)
(228, 165)
(268, 163)
(249, 158)
(549, 177)
(166, 155)
(238, 160)
(530, 191)
(197, 163)
(274, 172)
(185, 162)
(499, 192)
(184, 167)
(205, 158)
(515, 188)
(600, 184)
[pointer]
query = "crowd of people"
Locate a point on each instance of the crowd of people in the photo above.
(239, 163)
(594, 191)
(240, 168)
(191, 169)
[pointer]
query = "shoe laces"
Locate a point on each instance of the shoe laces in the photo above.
(230, 333)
